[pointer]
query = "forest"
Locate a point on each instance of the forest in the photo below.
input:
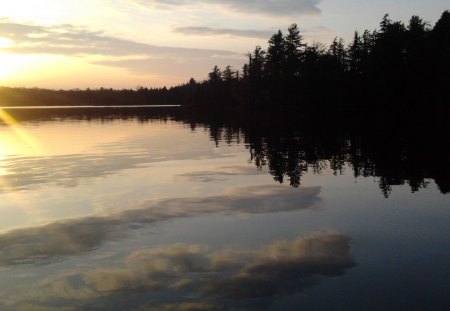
(395, 67)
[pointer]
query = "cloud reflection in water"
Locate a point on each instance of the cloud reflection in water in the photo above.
(24, 173)
(191, 277)
(73, 237)
(219, 174)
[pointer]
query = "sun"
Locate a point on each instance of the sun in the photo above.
(5, 43)
(47, 11)
(8, 64)
(5, 66)
(12, 65)
(2, 152)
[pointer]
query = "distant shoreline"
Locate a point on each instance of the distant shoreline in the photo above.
(86, 106)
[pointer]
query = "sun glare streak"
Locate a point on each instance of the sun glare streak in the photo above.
(2, 157)
(3, 170)
(22, 135)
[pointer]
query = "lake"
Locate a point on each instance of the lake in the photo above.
(145, 208)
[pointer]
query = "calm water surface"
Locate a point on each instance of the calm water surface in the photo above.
(131, 211)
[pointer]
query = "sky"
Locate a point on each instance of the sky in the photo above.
(68, 44)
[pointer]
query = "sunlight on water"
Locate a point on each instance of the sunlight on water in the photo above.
(2, 157)
(132, 213)
(19, 134)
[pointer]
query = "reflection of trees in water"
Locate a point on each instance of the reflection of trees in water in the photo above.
(397, 149)
(141, 114)
(398, 152)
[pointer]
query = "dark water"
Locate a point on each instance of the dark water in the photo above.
(159, 209)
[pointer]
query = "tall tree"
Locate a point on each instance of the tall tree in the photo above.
(228, 74)
(339, 54)
(417, 50)
(294, 49)
(355, 54)
(441, 32)
(256, 64)
(311, 62)
(367, 47)
(215, 76)
(389, 52)
(275, 57)
(441, 50)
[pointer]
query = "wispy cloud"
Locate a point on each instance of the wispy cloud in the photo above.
(209, 31)
(218, 174)
(73, 40)
(140, 58)
(309, 33)
(181, 66)
(261, 7)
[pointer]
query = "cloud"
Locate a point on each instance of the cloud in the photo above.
(175, 63)
(141, 58)
(309, 33)
(318, 33)
(191, 277)
(273, 8)
(71, 40)
(209, 31)
(68, 170)
(180, 67)
(218, 174)
(55, 241)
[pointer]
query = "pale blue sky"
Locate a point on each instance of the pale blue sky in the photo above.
(125, 43)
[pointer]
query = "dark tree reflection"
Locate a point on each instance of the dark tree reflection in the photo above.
(397, 150)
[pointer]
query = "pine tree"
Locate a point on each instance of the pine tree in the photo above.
(215, 76)
(256, 64)
(294, 50)
(355, 54)
(275, 57)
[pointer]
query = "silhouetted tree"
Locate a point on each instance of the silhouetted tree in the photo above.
(215, 76)
(294, 49)
(275, 57)
(389, 53)
(441, 54)
(355, 54)
(256, 65)
(339, 54)
(228, 75)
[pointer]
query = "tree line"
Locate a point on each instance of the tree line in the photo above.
(103, 96)
(398, 66)
(409, 63)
